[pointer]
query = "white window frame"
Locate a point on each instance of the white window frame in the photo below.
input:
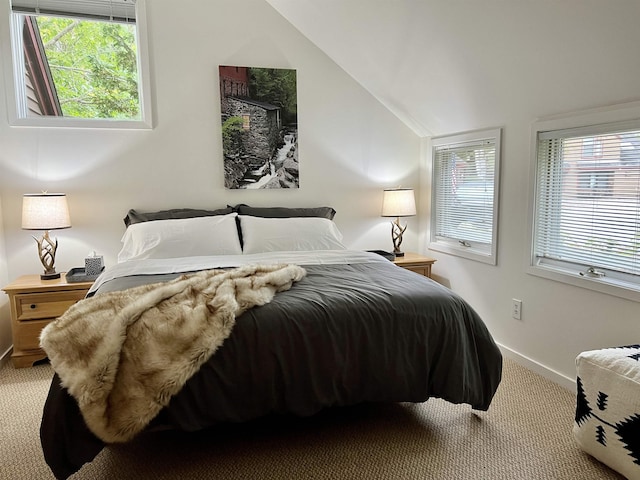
(596, 120)
(14, 81)
(481, 252)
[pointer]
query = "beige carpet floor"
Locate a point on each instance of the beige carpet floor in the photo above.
(526, 434)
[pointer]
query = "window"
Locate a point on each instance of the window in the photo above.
(586, 218)
(595, 183)
(79, 63)
(591, 147)
(465, 182)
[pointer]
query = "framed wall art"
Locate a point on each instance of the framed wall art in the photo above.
(259, 127)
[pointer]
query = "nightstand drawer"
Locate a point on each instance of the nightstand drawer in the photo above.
(28, 337)
(36, 306)
(422, 270)
(415, 263)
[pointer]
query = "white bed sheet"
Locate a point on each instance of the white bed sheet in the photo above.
(190, 264)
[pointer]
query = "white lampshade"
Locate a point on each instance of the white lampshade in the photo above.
(45, 211)
(398, 202)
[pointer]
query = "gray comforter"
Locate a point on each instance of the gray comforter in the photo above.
(345, 334)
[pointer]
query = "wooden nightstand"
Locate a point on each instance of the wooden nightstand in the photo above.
(34, 304)
(416, 263)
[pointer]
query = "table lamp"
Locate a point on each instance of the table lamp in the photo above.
(46, 211)
(398, 202)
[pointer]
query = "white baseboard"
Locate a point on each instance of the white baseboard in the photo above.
(546, 372)
(4, 358)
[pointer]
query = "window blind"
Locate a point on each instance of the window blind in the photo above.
(113, 10)
(464, 179)
(587, 213)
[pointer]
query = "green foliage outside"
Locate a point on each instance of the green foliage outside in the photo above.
(94, 67)
(232, 136)
(278, 87)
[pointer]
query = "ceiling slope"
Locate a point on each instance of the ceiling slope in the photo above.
(452, 65)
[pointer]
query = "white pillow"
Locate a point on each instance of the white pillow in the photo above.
(289, 234)
(184, 237)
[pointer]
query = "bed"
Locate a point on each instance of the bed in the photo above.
(354, 328)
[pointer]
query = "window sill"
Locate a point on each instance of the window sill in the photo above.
(67, 122)
(610, 286)
(470, 253)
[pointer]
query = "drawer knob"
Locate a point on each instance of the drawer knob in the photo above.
(32, 306)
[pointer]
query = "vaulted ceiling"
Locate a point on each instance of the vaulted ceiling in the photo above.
(453, 65)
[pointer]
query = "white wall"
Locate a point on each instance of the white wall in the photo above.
(536, 65)
(351, 147)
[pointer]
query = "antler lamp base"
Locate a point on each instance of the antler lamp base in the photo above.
(396, 235)
(47, 254)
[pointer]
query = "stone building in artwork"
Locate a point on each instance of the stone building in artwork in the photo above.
(234, 82)
(261, 124)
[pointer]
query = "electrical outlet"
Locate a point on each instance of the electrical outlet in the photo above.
(516, 308)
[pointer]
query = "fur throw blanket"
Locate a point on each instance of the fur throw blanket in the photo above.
(123, 355)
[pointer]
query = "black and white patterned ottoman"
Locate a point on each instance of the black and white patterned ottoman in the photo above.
(607, 424)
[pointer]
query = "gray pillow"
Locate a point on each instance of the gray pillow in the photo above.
(133, 216)
(284, 212)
